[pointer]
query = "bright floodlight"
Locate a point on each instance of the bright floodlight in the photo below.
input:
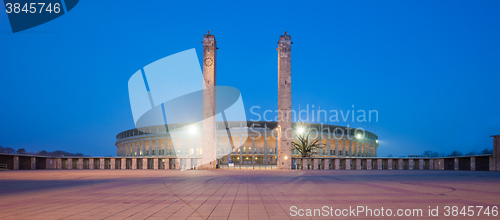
(376, 141)
(301, 130)
(193, 129)
(358, 136)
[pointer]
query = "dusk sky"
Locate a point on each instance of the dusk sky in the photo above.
(430, 68)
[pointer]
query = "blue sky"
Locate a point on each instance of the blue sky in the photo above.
(430, 68)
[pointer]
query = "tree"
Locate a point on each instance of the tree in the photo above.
(2, 149)
(487, 151)
(472, 153)
(21, 151)
(305, 146)
(429, 153)
(9, 150)
(42, 152)
(455, 153)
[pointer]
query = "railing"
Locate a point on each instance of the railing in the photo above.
(3, 166)
(249, 166)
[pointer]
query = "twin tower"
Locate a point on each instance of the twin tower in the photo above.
(284, 129)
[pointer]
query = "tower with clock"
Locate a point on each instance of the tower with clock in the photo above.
(208, 160)
(284, 102)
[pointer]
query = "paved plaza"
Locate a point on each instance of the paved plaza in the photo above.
(235, 194)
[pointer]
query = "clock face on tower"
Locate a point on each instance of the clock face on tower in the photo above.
(209, 61)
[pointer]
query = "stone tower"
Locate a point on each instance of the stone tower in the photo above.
(284, 102)
(208, 159)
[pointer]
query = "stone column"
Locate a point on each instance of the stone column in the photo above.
(347, 164)
(369, 164)
(91, 163)
(155, 162)
(16, 163)
(315, 163)
(101, 163)
(410, 164)
(353, 143)
(134, 163)
(336, 147)
(337, 164)
(456, 164)
(70, 164)
(358, 164)
(79, 165)
(304, 164)
(431, 164)
(167, 164)
(379, 164)
(177, 163)
(492, 163)
(165, 147)
(400, 164)
(113, 163)
(345, 148)
(473, 163)
(496, 153)
(123, 163)
(156, 148)
(326, 163)
(144, 163)
(143, 148)
(33, 163)
(389, 164)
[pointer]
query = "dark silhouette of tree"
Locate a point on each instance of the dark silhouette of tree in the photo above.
(455, 154)
(9, 150)
(21, 151)
(2, 149)
(487, 151)
(306, 147)
(429, 153)
(472, 153)
(42, 152)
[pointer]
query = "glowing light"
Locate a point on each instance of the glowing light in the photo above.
(193, 129)
(358, 136)
(301, 130)
(286, 158)
(376, 141)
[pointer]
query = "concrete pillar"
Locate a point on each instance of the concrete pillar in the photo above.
(439, 164)
(315, 163)
(304, 164)
(492, 163)
(472, 163)
(358, 164)
(70, 164)
(101, 163)
(16, 163)
(188, 162)
(58, 163)
(410, 164)
(421, 164)
(336, 164)
(134, 163)
(379, 164)
(91, 163)
(177, 163)
(123, 163)
(496, 153)
(431, 164)
(33, 163)
(167, 164)
(337, 147)
(389, 164)
(113, 165)
(155, 161)
(326, 163)
(144, 163)
(400, 164)
(368, 164)
(79, 165)
(347, 164)
(456, 164)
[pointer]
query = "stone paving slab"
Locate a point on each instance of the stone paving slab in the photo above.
(236, 194)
